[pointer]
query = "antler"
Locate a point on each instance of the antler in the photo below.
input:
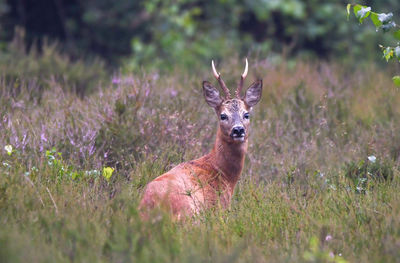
(242, 77)
(220, 81)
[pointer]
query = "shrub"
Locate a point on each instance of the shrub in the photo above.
(49, 67)
(364, 172)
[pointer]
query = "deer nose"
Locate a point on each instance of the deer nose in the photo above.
(238, 131)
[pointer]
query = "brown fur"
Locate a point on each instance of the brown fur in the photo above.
(198, 184)
(210, 180)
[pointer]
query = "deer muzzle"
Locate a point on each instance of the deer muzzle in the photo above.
(238, 133)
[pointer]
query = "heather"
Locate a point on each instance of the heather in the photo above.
(320, 182)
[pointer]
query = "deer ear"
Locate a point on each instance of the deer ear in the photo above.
(253, 93)
(211, 95)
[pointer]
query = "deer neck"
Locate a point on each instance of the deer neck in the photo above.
(228, 158)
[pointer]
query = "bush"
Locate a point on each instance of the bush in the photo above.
(69, 204)
(161, 34)
(363, 173)
(49, 67)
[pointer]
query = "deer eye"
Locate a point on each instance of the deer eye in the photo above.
(246, 115)
(224, 116)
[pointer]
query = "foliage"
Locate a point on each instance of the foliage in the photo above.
(49, 67)
(317, 254)
(365, 173)
(381, 21)
(9, 149)
(188, 33)
(107, 173)
(294, 202)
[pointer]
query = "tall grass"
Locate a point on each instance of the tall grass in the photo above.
(49, 67)
(299, 197)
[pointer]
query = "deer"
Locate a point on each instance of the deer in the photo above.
(209, 181)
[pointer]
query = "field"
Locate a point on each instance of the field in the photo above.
(321, 181)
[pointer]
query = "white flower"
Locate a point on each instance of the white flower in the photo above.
(372, 158)
(8, 149)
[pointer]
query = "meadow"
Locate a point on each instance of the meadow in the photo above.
(321, 180)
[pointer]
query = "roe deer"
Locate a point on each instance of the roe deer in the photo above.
(210, 180)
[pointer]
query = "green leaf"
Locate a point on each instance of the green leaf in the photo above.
(396, 80)
(375, 20)
(74, 175)
(107, 173)
(348, 10)
(388, 53)
(396, 34)
(363, 13)
(356, 9)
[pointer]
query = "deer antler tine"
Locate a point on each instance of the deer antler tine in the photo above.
(242, 77)
(246, 69)
(220, 81)
(216, 74)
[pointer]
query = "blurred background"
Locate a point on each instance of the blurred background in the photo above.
(162, 34)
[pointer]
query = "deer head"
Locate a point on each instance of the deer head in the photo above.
(233, 113)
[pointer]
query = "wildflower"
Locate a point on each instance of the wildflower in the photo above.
(43, 137)
(173, 93)
(328, 238)
(92, 173)
(116, 80)
(9, 149)
(372, 158)
(107, 173)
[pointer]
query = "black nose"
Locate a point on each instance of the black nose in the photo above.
(238, 131)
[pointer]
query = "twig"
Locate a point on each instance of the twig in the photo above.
(54, 203)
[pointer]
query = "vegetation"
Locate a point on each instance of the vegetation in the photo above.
(321, 179)
(381, 21)
(78, 144)
(189, 33)
(49, 67)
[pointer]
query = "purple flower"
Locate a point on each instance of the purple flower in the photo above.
(43, 137)
(116, 80)
(173, 93)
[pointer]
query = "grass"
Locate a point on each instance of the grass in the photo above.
(298, 198)
(48, 68)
